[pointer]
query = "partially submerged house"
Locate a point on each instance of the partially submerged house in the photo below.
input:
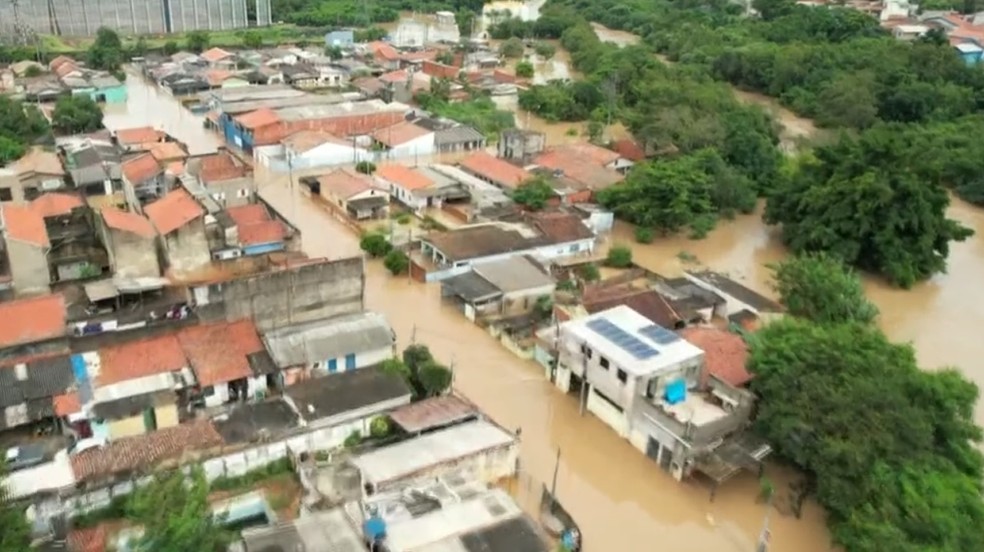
(179, 220)
(349, 401)
(354, 194)
(501, 287)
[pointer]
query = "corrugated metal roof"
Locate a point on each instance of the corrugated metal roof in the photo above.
(311, 342)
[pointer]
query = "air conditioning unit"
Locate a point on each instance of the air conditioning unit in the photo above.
(226, 254)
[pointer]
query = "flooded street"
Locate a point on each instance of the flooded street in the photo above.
(148, 105)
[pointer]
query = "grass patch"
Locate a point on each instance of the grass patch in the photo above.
(273, 35)
(250, 478)
(479, 113)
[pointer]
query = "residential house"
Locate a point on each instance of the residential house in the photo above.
(166, 153)
(143, 179)
(451, 137)
(349, 401)
(909, 32)
(74, 251)
(542, 235)
(26, 242)
(630, 150)
(180, 83)
(37, 171)
(94, 169)
(179, 220)
(502, 287)
(308, 533)
(31, 387)
(257, 128)
(521, 145)
(440, 70)
(581, 170)
(105, 88)
(647, 302)
(479, 447)
(139, 138)
(32, 326)
(219, 353)
(309, 149)
(725, 354)
(647, 384)
(43, 89)
(404, 140)
(384, 55)
(354, 194)
(130, 241)
(327, 346)
(494, 170)
(219, 59)
(301, 75)
(226, 179)
(737, 297)
(407, 185)
(131, 388)
(257, 232)
(224, 78)
(340, 38)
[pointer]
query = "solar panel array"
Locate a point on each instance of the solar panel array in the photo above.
(659, 334)
(623, 339)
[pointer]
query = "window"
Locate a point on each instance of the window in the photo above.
(604, 362)
(586, 351)
(242, 192)
(218, 196)
(622, 376)
(6, 194)
(573, 248)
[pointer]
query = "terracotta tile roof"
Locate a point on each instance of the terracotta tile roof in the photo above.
(59, 61)
(271, 231)
(56, 204)
(34, 319)
(725, 354)
(215, 77)
(221, 166)
(439, 70)
(218, 352)
(384, 51)
(66, 69)
(143, 452)
(167, 151)
(579, 168)
(399, 134)
(175, 167)
(433, 412)
(648, 303)
(499, 171)
(395, 77)
(138, 135)
(40, 161)
(343, 183)
(305, 140)
(422, 55)
(560, 227)
(141, 168)
(215, 54)
(128, 222)
(259, 118)
(176, 209)
(90, 539)
(24, 224)
(140, 358)
(248, 214)
(67, 403)
(404, 177)
(630, 150)
(595, 154)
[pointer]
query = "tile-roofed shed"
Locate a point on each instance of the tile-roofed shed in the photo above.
(218, 352)
(144, 452)
(648, 303)
(725, 354)
(219, 166)
(400, 133)
(23, 224)
(433, 412)
(491, 168)
(167, 151)
(215, 54)
(55, 204)
(176, 209)
(34, 319)
(127, 221)
(141, 168)
(139, 358)
(560, 227)
(404, 177)
(138, 135)
(344, 183)
(40, 161)
(255, 225)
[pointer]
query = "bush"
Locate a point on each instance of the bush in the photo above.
(545, 50)
(365, 167)
(396, 262)
(619, 256)
(375, 244)
(404, 218)
(524, 69)
(170, 48)
(589, 273)
(250, 478)
(644, 234)
(353, 440)
(512, 48)
(379, 427)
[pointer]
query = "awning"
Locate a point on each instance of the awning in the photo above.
(368, 203)
(470, 287)
(100, 290)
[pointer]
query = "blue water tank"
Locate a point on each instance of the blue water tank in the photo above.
(374, 528)
(676, 391)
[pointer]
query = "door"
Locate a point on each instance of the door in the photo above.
(652, 449)
(350, 361)
(666, 458)
(333, 366)
(150, 420)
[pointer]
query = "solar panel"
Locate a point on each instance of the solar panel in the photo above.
(623, 339)
(659, 334)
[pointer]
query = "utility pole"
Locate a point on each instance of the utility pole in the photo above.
(553, 485)
(451, 367)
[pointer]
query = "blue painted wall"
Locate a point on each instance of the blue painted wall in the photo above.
(262, 248)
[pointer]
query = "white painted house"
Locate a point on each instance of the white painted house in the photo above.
(311, 149)
(404, 140)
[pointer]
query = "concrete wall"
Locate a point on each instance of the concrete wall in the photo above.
(291, 296)
(165, 416)
(28, 267)
(489, 466)
(131, 255)
(233, 192)
(187, 247)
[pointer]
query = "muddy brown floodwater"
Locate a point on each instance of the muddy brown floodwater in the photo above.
(622, 501)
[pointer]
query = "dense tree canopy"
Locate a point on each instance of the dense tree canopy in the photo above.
(76, 114)
(534, 193)
(20, 126)
(820, 288)
(15, 533)
(890, 449)
(174, 512)
(352, 13)
(106, 52)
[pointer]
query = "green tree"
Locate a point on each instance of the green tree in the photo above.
(397, 367)
(253, 39)
(375, 244)
(415, 356)
(174, 512)
(534, 193)
(445, 56)
(644, 235)
(619, 256)
(76, 114)
(15, 532)
(10, 150)
(822, 289)
(875, 218)
(197, 41)
(849, 101)
(511, 48)
(140, 47)
(33, 71)
(434, 378)
(170, 48)
(545, 50)
(396, 262)
(589, 273)
(106, 52)
(334, 52)
(379, 427)
(524, 70)
(365, 167)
